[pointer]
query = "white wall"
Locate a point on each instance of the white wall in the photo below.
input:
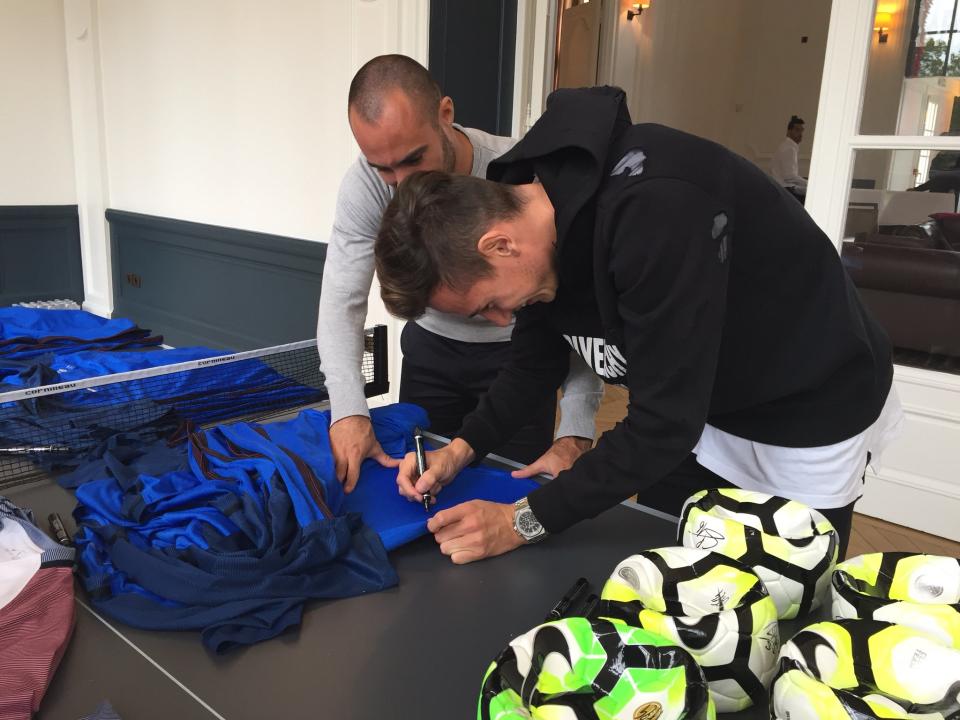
(780, 75)
(685, 70)
(229, 112)
(36, 153)
(733, 72)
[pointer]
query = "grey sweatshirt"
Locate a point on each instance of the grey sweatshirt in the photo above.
(348, 275)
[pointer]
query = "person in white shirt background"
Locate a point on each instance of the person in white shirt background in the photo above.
(785, 164)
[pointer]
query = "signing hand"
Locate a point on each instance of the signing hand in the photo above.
(352, 441)
(442, 466)
(561, 456)
(475, 530)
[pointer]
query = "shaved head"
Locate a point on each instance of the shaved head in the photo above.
(388, 73)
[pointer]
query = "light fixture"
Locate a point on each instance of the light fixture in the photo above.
(881, 25)
(638, 9)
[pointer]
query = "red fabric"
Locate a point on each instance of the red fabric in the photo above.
(35, 628)
(949, 224)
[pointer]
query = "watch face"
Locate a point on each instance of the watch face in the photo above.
(527, 524)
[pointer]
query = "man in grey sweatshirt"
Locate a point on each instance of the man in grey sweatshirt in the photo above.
(402, 124)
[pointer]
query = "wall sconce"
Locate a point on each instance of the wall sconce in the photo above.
(881, 25)
(637, 10)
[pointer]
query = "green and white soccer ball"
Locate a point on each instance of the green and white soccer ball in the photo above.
(858, 669)
(575, 669)
(715, 607)
(793, 548)
(920, 591)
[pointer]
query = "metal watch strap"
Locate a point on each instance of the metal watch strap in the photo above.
(525, 523)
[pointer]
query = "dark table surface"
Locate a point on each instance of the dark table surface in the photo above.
(419, 650)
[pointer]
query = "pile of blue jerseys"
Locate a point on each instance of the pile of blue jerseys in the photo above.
(204, 394)
(73, 424)
(29, 332)
(233, 530)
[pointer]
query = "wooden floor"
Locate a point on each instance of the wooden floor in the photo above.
(873, 535)
(868, 535)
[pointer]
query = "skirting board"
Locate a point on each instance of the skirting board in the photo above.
(916, 483)
(913, 501)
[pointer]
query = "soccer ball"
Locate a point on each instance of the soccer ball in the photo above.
(920, 591)
(575, 668)
(793, 548)
(713, 606)
(865, 669)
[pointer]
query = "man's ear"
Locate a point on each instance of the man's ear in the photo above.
(445, 111)
(495, 243)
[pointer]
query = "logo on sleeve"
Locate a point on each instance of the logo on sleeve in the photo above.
(605, 358)
(630, 164)
(719, 233)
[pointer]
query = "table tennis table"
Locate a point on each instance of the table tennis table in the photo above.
(418, 650)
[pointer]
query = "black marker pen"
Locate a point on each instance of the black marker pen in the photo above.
(560, 609)
(421, 462)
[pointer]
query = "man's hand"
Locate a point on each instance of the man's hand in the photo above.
(561, 456)
(475, 530)
(352, 441)
(442, 466)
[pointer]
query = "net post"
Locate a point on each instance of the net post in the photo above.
(380, 384)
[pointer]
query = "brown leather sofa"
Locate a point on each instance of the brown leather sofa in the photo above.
(947, 229)
(912, 287)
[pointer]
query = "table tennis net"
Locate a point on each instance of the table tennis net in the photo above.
(51, 428)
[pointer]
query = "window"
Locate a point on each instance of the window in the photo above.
(901, 247)
(914, 61)
(860, 145)
(935, 41)
(898, 196)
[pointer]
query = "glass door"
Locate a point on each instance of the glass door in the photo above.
(884, 184)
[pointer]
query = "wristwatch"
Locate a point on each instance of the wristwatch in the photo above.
(525, 523)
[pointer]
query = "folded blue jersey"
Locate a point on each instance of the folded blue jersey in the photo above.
(19, 323)
(135, 339)
(29, 332)
(396, 519)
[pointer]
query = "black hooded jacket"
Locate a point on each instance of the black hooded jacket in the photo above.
(689, 276)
